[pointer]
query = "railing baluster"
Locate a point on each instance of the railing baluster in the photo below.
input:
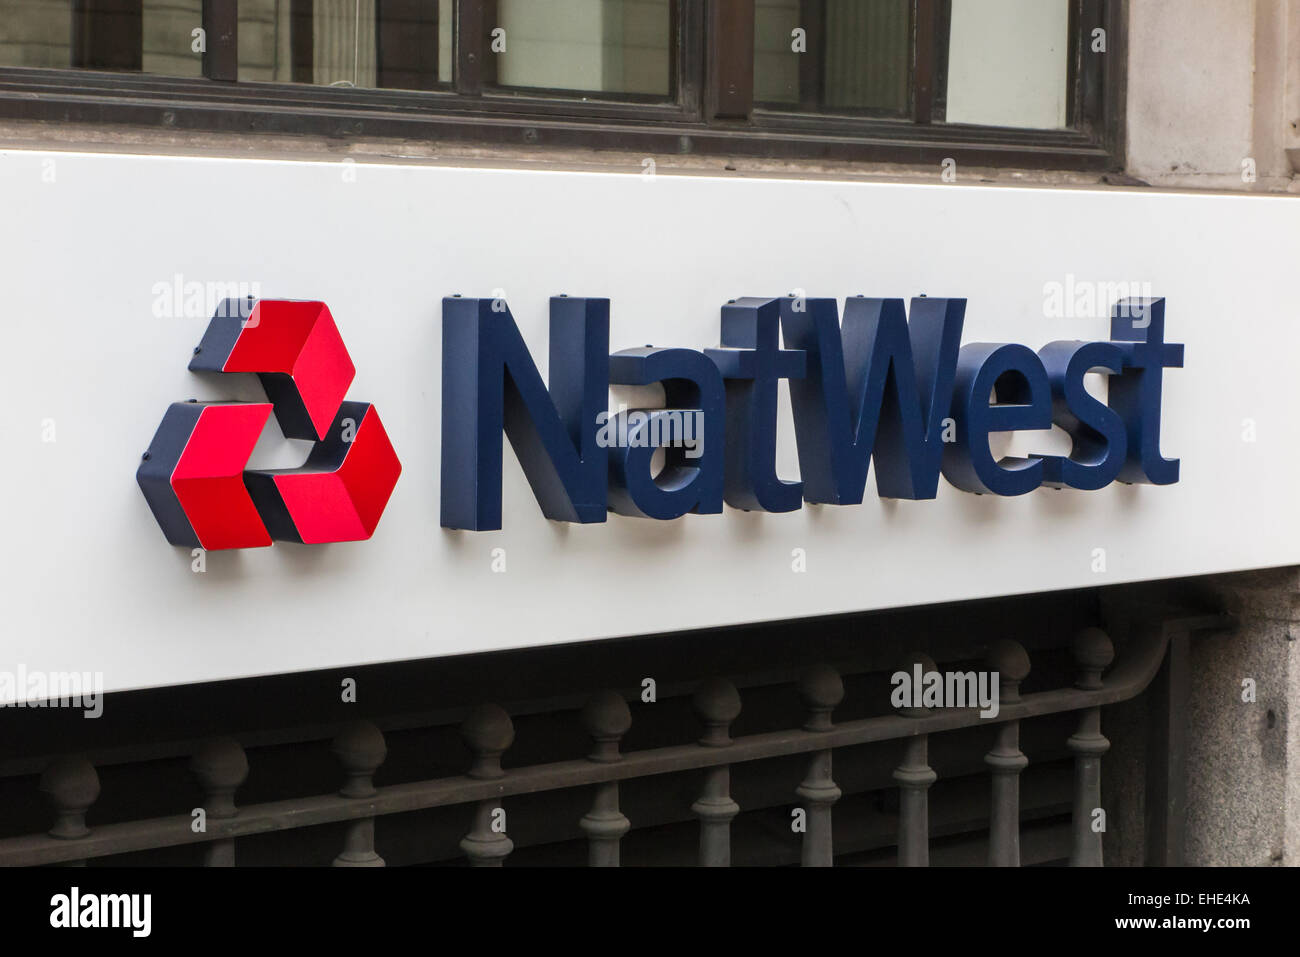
(220, 766)
(821, 690)
(360, 748)
(71, 784)
(1006, 761)
(717, 703)
(914, 776)
(606, 718)
(488, 731)
(1093, 653)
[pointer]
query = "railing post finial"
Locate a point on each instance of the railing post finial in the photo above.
(822, 690)
(1010, 660)
(487, 732)
(1093, 652)
(71, 784)
(607, 718)
(220, 766)
(360, 748)
(717, 704)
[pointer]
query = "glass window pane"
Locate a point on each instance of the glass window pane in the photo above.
(35, 33)
(168, 37)
(153, 36)
(392, 44)
(1008, 63)
(776, 65)
(398, 44)
(840, 56)
(597, 46)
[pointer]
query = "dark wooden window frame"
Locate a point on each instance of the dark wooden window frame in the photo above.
(710, 111)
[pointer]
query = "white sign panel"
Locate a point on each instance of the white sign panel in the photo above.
(110, 262)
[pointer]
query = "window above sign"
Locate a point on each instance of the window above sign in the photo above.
(993, 82)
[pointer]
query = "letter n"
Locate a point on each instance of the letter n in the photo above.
(491, 385)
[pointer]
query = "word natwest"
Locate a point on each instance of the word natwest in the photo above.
(878, 387)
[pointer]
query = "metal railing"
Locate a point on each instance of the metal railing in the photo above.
(71, 784)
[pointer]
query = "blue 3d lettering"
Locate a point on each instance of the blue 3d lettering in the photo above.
(887, 386)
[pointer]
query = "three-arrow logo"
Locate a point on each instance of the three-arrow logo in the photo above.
(195, 476)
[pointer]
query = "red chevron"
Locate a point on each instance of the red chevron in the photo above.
(209, 476)
(344, 505)
(298, 340)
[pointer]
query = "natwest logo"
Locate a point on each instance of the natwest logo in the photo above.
(195, 474)
(882, 388)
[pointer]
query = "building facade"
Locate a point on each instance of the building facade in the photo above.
(680, 656)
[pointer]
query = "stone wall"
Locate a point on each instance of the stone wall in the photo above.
(1244, 756)
(1214, 93)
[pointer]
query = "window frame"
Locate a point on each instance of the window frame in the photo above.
(710, 111)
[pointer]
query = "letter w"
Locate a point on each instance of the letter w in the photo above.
(490, 384)
(882, 386)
